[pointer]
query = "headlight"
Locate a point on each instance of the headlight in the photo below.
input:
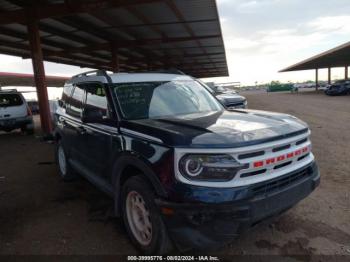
(220, 167)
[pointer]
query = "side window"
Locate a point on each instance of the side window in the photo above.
(76, 102)
(67, 90)
(96, 99)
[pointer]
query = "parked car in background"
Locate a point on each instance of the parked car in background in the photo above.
(182, 170)
(338, 88)
(54, 104)
(228, 98)
(34, 106)
(15, 112)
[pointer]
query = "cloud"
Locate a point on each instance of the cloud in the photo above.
(331, 24)
(264, 36)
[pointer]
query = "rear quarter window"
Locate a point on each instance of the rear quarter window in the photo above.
(7, 100)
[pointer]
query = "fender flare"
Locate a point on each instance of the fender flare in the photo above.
(128, 160)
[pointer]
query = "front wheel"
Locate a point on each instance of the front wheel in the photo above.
(142, 218)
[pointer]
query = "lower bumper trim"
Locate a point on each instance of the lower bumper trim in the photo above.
(201, 225)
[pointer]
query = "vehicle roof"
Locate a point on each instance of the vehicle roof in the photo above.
(131, 78)
(9, 91)
(147, 77)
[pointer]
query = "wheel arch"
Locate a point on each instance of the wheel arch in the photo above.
(129, 165)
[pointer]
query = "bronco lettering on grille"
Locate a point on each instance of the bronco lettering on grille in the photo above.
(280, 158)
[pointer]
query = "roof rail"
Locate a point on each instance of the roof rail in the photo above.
(8, 90)
(98, 72)
(166, 71)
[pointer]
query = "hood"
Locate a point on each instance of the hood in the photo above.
(224, 129)
(230, 98)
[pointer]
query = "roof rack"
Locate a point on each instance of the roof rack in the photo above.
(165, 71)
(98, 72)
(8, 90)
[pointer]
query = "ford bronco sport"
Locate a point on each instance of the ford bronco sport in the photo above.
(182, 170)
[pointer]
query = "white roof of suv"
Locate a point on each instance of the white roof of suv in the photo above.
(131, 78)
(147, 77)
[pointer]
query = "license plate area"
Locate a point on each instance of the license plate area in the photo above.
(8, 122)
(273, 204)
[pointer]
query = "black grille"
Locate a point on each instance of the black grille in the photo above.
(250, 155)
(301, 141)
(282, 165)
(276, 149)
(281, 183)
(235, 104)
(254, 173)
(302, 157)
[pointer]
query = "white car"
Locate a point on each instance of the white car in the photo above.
(15, 112)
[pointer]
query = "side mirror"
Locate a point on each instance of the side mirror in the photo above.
(91, 115)
(61, 103)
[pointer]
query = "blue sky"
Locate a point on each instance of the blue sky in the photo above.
(261, 37)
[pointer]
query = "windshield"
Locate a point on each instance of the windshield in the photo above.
(143, 100)
(10, 100)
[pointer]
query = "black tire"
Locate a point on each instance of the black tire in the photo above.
(67, 174)
(27, 131)
(160, 242)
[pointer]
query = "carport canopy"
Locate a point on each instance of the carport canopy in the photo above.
(336, 57)
(116, 35)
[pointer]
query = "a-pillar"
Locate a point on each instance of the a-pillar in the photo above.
(346, 72)
(39, 76)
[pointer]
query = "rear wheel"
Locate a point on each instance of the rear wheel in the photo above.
(64, 168)
(142, 218)
(27, 131)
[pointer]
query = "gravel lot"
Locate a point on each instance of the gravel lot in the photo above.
(40, 214)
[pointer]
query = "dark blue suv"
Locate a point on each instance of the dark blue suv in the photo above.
(183, 171)
(339, 88)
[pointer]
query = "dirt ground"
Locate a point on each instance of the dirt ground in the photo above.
(40, 214)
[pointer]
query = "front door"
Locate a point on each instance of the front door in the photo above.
(97, 140)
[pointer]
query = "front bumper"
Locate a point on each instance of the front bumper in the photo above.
(209, 225)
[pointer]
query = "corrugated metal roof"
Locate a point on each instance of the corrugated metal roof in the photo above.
(147, 34)
(336, 57)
